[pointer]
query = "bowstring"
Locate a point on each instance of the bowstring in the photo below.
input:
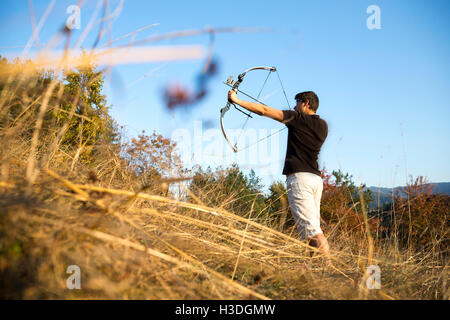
(264, 84)
(257, 99)
(246, 120)
(282, 87)
(268, 136)
(262, 139)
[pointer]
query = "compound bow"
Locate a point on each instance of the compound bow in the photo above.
(235, 87)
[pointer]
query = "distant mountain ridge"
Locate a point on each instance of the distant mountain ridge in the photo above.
(383, 196)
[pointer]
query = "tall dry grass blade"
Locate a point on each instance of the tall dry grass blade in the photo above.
(38, 28)
(31, 173)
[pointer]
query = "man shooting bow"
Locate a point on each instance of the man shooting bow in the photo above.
(306, 134)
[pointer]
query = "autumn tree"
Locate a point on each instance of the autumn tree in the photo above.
(341, 203)
(419, 217)
(151, 158)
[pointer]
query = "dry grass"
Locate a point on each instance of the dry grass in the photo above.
(157, 247)
(140, 245)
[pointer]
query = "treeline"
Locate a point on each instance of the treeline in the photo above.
(417, 222)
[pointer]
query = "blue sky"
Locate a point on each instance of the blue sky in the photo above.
(384, 92)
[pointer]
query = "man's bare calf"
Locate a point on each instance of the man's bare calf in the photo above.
(320, 242)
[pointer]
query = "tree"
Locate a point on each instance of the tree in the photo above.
(345, 183)
(419, 217)
(229, 188)
(92, 123)
(152, 158)
(76, 107)
(341, 206)
(278, 206)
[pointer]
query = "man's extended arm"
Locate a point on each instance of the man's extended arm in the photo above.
(257, 108)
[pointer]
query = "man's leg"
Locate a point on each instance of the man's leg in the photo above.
(304, 191)
(301, 201)
(320, 242)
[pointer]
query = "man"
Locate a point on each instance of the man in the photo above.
(306, 134)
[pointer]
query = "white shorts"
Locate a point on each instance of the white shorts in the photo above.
(304, 192)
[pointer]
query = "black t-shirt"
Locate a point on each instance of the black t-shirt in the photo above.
(306, 134)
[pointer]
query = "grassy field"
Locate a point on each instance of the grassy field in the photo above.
(139, 245)
(72, 193)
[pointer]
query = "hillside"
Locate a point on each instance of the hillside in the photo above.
(383, 196)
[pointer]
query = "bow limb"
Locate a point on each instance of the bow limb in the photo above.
(271, 69)
(222, 114)
(234, 86)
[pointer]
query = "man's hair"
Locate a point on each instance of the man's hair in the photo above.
(309, 96)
